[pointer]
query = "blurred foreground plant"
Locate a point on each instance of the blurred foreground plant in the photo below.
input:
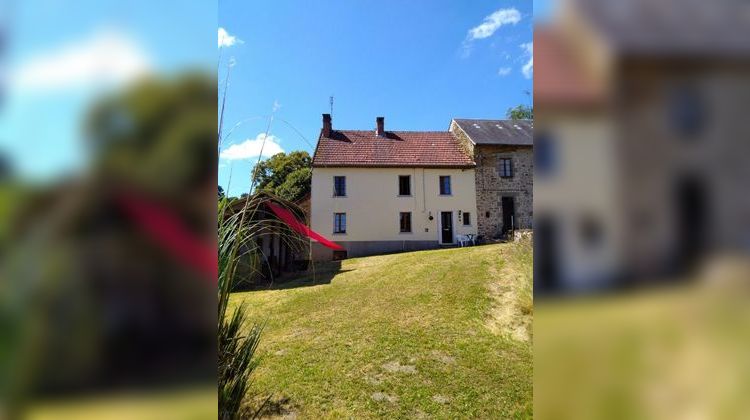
(239, 230)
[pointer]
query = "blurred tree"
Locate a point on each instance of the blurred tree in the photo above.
(285, 175)
(221, 192)
(159, 136)
(94, 296)
(6, 169)
(520, 112)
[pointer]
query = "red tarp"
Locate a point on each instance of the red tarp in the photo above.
(301, 228)
(166, 229)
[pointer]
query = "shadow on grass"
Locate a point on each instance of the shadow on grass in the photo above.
(277, 407)
(317, 274)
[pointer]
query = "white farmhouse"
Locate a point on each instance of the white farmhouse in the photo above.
(380, 191)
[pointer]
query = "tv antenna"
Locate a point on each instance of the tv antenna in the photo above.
(331, 102)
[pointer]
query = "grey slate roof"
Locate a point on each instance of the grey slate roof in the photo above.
(498, 132)
(667, 27)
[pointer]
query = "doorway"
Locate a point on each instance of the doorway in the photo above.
(692, 220)
(509, 214)
(446, 227)
(546, 252)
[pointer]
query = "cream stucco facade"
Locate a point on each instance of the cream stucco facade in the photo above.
(373, 205)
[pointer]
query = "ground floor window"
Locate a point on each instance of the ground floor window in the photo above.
(405, 222)
(339, 222)
(467, 219)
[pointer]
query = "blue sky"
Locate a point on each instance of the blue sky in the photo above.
(62, 54)
(417, 63)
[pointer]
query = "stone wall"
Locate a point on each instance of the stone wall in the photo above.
(466, 144)
(491, 187)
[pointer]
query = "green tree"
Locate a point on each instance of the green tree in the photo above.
(520, 112)
(285, 175)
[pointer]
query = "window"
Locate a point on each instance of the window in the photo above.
(339, 222)
(404, 185)
(467, 219)
(544, 154)
(506, 168)
(591, 230)
(687, 111)
(445, 185)
(405, 222)
(339, 186)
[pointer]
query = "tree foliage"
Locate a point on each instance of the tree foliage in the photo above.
(285, 175)
(159, 135)
(520, 112)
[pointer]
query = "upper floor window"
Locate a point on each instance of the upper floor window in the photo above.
(445, 185)
(339, 222)
(404, 185)
(339, 186)
(405, 222)
(687, 111)
(544, 154)
(506, 168)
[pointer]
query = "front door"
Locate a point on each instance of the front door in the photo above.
(509, 213)
(546, 252)
(446, 225)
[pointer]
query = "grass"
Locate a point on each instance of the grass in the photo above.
(189, 403)
(678, 352)
(404, 335)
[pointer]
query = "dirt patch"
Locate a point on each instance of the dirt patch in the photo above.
(440, 399)
(419, 414)
(376, 379)
(398, 367)
(443, 358)
(380, 396)
(511, 313)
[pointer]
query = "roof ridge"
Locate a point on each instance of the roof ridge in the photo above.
(496, 119)
(400, 131)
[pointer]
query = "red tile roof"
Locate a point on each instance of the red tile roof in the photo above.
(559, 79)
(430, 149)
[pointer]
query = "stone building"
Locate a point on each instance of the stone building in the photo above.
(641, 125)
(502, 151)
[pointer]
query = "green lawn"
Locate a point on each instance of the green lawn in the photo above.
(196, 403)
(678, 352)
(442, 333)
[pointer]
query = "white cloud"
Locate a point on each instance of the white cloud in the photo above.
(528, 68)
(504, 71)
(226, 40)
(105, 58)
(528, 47)
(252, 148)
(493, 22)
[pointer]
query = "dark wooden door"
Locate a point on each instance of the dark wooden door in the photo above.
(546, 251)
(446, 224)
(509, 213)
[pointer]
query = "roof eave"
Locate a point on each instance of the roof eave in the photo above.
(382, 166)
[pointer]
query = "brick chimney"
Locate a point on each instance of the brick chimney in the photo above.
(327, 126)
(380, 123)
